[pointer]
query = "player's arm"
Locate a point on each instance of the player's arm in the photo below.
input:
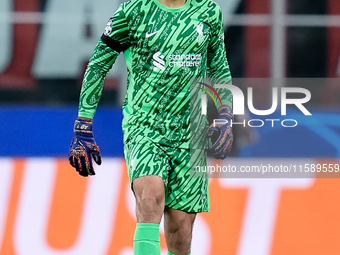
(114, 40)
(219, 73)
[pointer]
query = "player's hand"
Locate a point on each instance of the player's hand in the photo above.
(221, 133)
(83, 148)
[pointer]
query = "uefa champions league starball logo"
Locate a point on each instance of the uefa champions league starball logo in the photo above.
(108, 28)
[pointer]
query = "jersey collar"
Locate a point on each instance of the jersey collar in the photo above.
(165, 8)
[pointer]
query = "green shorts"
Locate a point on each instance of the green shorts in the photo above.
(184, 190)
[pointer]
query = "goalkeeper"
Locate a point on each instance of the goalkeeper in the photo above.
(166, 44)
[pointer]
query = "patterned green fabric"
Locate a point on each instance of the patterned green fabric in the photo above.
(165, 49)
(100, 63)
(185, 189)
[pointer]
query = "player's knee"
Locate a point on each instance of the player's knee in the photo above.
(181, 230)
(149, 204)
(150, 198)
(179, 239)
(149, 209)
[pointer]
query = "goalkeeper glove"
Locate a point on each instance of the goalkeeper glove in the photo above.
(221, 133)
(82, 147)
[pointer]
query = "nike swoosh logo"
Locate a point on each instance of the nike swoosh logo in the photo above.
(149, 35)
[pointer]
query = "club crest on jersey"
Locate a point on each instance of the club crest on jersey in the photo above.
(200, 36)
(108, 28)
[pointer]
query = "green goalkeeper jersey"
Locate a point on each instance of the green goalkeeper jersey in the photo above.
(165, 49)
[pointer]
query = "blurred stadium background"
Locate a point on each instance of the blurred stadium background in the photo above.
(46, 208)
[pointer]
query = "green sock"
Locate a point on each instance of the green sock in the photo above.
(146, 240)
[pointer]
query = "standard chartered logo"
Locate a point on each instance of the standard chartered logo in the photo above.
(158, 61)
(188, 60)
(176, 60)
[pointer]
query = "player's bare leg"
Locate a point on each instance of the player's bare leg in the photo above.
(178, 227)
(150, 200)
